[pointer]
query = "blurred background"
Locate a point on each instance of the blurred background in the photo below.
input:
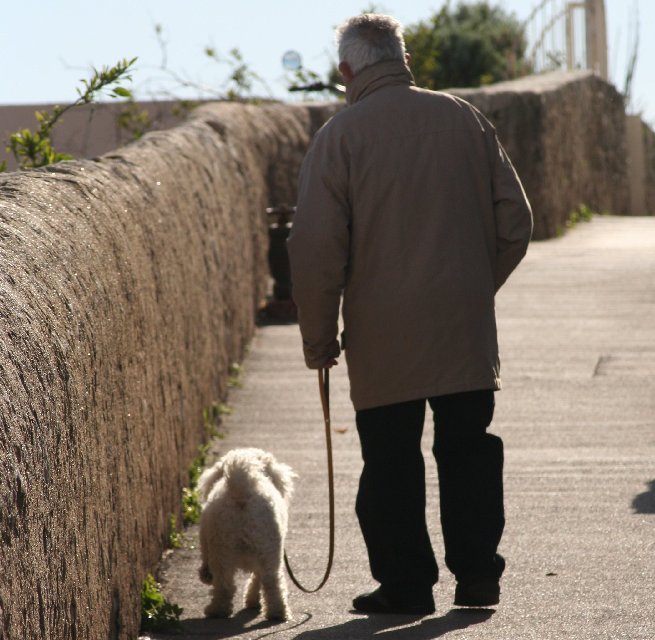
(191, 49)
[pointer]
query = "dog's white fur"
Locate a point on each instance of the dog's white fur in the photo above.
(245, 498)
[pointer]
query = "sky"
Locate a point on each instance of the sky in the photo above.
(47, 46)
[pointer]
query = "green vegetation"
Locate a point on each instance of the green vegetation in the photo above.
(239, 84)
(191, 508)
(234, 378)
(197, 465)
(241, 79)
(212, 415)
(471, 45)
(582, 213)
(133, 119)
(157, 613)
(175, 538)
(33, 149)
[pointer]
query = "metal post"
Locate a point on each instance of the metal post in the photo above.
(596, 36)
(279, 308)
(570, 37)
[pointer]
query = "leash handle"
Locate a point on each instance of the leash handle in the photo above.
(324, 387)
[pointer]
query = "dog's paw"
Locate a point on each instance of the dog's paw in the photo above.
(252, 602)
(205, 574)
(282, 614)
(214, 610)
(252, 598)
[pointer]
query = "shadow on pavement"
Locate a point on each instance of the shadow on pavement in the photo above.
(389, 627)
(645, 502)
(219, 628)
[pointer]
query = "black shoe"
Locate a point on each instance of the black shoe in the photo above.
(478, 593)
(378, 602)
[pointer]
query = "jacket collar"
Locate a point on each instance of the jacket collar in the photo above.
(382, 74)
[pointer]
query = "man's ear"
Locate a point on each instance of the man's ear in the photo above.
(408, 59)
(346, 72)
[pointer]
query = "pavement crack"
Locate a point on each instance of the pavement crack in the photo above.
(601, 362)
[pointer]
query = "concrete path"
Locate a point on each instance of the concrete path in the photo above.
(577, 414)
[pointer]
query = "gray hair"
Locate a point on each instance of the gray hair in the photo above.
(368, 38)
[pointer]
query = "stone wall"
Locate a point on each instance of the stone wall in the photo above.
(127, 287)
(565, 134)
(649, 169)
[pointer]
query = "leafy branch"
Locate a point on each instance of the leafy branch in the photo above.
(238, 85)
(34, 149)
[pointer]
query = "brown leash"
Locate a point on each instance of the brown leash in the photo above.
(324, 386)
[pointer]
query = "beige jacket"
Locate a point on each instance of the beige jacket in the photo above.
(410, 208)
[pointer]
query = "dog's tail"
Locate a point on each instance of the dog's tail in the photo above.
(239, 479)
(241, 471)
(208, 478)
(234, 470)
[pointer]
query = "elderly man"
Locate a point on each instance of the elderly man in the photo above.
(410, 208)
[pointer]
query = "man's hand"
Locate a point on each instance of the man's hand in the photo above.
(330, 363)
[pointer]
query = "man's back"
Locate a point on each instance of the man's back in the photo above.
(405, 180)
(420, 188)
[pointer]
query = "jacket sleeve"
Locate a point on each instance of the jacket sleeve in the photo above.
(512, 214)
(319, 245)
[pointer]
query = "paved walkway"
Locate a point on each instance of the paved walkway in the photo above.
(577, 333)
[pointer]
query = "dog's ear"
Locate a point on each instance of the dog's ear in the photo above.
(282, 475)
(208, 478)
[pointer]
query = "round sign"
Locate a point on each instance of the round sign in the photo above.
(292, 61)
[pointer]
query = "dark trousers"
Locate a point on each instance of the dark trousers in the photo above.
(391, 498)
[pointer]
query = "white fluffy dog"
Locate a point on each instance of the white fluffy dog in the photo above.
(243, 525)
